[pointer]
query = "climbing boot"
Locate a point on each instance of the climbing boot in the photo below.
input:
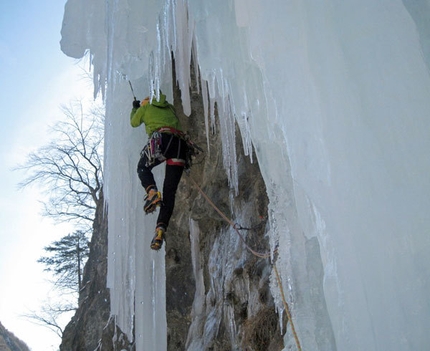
(157, 241)
(152, 200)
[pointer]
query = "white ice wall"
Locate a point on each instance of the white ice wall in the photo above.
(335, 98)
(339, 92)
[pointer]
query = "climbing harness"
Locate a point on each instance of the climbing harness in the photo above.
(192, 148)
(152, 150)
(237, 227)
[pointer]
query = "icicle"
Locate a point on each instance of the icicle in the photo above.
(183, 54)
(195, 61)
(173, 40)
(212, 98)
(277, 298)
(281, 320)
(206, 111)
(245, 128)
(228, 136)
(151, 75)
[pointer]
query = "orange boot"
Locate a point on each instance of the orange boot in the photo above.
(157, 241)
(152, 200)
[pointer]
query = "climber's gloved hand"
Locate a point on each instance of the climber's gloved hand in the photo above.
(136, 103)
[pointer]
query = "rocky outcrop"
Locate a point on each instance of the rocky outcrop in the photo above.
(91, 320)
(9, 342)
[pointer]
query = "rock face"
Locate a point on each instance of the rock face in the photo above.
(217, 291)
(9, 342)
(90, 322)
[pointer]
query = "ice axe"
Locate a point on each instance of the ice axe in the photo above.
(132, 91)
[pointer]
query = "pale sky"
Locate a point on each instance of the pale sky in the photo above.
(36, 78)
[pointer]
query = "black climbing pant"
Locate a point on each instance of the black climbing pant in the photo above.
(173, 150)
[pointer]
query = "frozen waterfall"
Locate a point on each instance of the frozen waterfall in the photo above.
(335, 98)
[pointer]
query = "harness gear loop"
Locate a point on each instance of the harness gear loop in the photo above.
(152, 150)
(192, 148)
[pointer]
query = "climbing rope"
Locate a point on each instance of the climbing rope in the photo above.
(236, 227)
(229, 221)
(287, 309)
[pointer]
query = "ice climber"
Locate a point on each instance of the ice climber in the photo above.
(166, 143)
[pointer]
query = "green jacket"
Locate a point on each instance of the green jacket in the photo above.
(155, 115)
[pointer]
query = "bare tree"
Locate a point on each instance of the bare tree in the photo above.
(50, 316)
(69, 168)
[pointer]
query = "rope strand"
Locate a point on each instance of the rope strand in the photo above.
(287, 309)
(229, 221)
